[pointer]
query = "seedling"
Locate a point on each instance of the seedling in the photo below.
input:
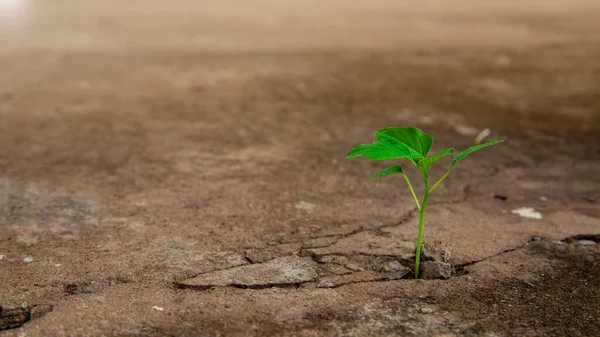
(412, 144)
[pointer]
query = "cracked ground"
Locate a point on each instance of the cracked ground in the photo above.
(179, 170)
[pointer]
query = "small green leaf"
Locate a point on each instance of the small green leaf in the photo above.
(424, 164)
(472, 149)
(418, 141)
(390, 170)
(381, 150)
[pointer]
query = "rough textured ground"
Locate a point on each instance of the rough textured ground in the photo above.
(177, 169)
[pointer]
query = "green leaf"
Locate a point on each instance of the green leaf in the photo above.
(390, 170)
(472, 149)
(381, 150)
(424, 164)
(416, 140)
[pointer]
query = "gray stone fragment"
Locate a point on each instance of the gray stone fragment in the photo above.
(288, 270)
(435, 251)
(394, 266)
(427, 310)
(353, 266)
(435, 270)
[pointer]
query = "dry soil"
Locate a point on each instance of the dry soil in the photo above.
(177, 168)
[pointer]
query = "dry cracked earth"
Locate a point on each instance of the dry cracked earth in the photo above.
(177, 169)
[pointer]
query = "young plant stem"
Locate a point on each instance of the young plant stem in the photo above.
(442, 178)
(420, 235)
(412, 190)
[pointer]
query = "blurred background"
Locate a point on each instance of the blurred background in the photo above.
(508, 62)
(142, 93)
(125, 93)
(260, 25)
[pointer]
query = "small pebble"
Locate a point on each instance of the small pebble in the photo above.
(58, 265)
(426, 310)
(395, 266)
(527, 212)
(306, 206)
(435, 270)
(536, 238)
(353, 266)
(28, 259)
(586, 242)
(543, 198)
(157, 308)
(2, 257)
(481, 136)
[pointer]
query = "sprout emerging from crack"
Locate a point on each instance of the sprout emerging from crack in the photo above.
(412, 144)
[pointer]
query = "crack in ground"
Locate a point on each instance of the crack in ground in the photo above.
(407, 216)
(380, 280)
(327, 279)
(213, 271)
(317, 257)
(459, 268)
(318, 284)
(588, 237)
(262, 286)
(268, 285)
(303, 247)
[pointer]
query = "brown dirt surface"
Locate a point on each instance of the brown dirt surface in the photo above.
(177, 168)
